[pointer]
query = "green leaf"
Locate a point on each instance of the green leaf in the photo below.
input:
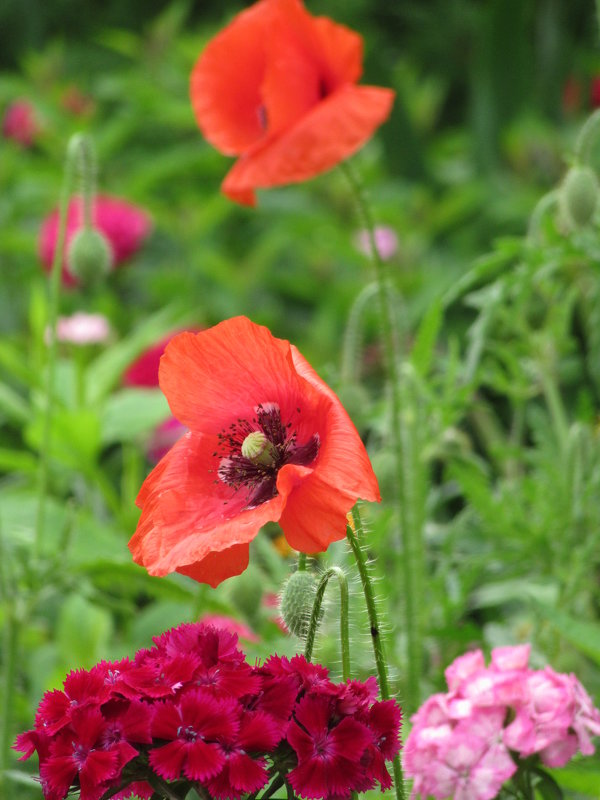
(75, 436)
(423, 350)
(13, 405)
(132, 412)
(17, 461)
(582, 634)
(83, 632)
(547, 786)
(107, 369)
(579, 777)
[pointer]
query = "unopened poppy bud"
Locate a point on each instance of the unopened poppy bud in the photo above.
(579, 196)
(297, 601)
(90, 255)
(258, 449)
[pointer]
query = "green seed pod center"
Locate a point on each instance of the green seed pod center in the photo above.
(257, 448)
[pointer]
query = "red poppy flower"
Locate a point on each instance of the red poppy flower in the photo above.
(277, 87)
(268, 441)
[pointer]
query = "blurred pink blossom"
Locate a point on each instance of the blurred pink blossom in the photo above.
(230, 625)
(386, 242)
(460, 744)
(125, 226)
(82, 328)
(19, 123)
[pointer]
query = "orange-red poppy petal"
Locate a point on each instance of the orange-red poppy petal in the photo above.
(187, 514)
(217, 567)
(342, 50)
(225, 82)
(213, 377)
(342, 456)
(333, 130)
(314, 515)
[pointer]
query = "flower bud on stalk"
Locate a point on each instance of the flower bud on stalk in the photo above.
(297, 601)
(90, 256)
(579, 196)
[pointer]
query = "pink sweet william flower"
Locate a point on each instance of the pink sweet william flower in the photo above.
(465, 744)
(19, 123)
(125, 226)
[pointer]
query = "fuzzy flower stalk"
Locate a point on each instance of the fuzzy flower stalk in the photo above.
(191, 713)
(498, 726)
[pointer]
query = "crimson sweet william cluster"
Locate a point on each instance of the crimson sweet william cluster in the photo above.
(191, 712)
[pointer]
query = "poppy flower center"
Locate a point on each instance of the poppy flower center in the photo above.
(253, 451)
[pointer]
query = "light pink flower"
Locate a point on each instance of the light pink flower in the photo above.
(124, 225)
(19, 123)
(386, 242)
(460, 741)
(81, 328)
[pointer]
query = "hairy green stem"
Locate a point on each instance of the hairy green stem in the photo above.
(10, 640)
(301, 562)
(353, 533)
(544, 204)
(344, 625)
(588, 138)
(85, 158)
(413, 560)
(53, 303)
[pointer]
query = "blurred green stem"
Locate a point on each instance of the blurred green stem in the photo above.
(401, 434)
(544, 204)
(589, 134)
(344, 626)
(53, 303)
(354, 532)
(9, 656)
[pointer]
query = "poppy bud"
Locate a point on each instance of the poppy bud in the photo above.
(90, 255)
(297, 601)
(579, 196)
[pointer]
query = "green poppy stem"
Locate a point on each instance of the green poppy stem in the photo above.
(53, 305)
(344, 624)
(402, 435)
(354, 532)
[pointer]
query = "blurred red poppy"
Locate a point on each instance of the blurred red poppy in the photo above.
(277, 87)
(268, 441)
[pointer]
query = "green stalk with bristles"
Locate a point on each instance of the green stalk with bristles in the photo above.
(402, 442)
(52, 316)
(344, 615)
(354, 532)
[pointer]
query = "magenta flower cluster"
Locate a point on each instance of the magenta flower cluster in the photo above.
(466, 743)
(191, 712)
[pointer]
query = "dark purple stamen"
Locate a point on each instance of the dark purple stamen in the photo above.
(260, 479)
